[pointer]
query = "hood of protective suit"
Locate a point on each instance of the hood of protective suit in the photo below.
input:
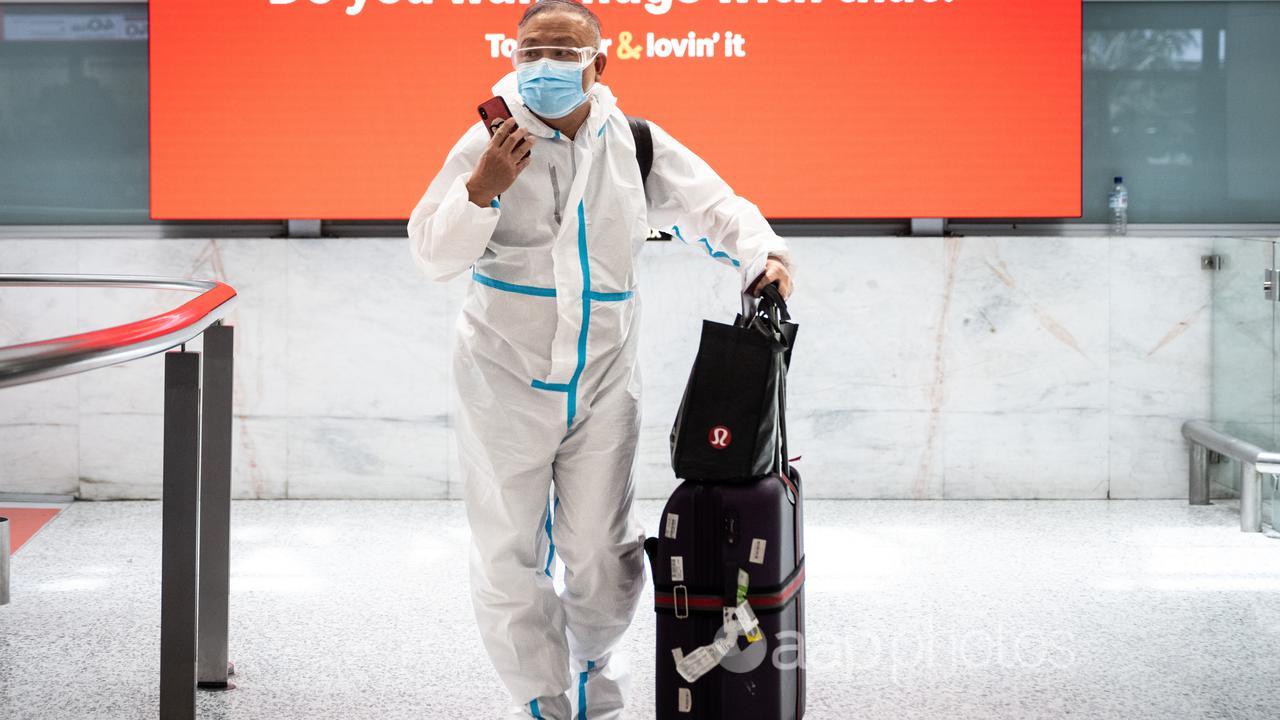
(599, 95)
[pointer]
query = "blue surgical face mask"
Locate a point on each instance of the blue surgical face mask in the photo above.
(551, 88)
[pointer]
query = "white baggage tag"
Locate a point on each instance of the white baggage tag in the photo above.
(698, 663)
(677, 568)
(704, 659)
(673, 524)
(747, 619)
(757, 551)
(686, 700)
(728, 642)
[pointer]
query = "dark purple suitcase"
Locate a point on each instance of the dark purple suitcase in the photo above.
(719, 529)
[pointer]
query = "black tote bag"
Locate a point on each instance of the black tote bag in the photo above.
(731, 425)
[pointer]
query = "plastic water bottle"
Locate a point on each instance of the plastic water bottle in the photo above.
(1119, 202)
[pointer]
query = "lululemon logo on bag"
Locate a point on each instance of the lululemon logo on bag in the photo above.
(719, 437)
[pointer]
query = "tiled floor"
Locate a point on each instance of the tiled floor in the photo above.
(938, 610)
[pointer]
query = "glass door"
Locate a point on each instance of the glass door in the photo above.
(1271, 483)
(1244, 349)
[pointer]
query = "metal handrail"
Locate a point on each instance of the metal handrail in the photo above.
(45, 359)
(1254, 462)
(196, 512)
(1203, 433)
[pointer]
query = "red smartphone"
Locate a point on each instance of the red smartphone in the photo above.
(492, 111)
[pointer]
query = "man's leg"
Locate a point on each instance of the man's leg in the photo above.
(506, 470)
(601, 546)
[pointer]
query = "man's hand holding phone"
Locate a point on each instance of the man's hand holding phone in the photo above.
(508, 153)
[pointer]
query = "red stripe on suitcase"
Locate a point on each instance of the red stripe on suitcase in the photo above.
(765, 601)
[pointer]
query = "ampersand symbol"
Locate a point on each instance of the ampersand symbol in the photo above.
(626, 51)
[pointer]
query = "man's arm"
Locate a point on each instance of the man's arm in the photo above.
(689, 200)
(447, 231)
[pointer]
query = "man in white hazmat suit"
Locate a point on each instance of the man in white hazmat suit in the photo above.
(549, 216)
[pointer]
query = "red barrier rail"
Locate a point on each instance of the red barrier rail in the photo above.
(55, 357)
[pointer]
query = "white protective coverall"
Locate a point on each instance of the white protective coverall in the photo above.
(547, 387)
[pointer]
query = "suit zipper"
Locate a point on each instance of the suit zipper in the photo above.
(555, 193)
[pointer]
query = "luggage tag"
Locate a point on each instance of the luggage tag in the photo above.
(673, 525)
(706, 658)
(686, 700)
(728, 642)
(746, 617)
(743, 614)
(697, 663)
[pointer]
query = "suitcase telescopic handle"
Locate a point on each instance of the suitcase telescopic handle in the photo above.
(782, 463)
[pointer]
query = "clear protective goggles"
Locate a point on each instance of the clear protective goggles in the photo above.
(579, 55)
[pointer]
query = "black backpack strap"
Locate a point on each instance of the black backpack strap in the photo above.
(644, 144)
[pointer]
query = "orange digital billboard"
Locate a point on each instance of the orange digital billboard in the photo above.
(345, 109)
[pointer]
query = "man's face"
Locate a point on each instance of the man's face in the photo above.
(564, 29)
